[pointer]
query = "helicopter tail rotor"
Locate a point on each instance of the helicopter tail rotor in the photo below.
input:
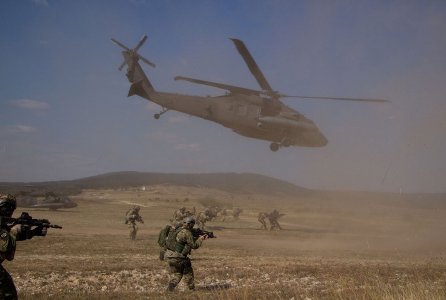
(133, 52)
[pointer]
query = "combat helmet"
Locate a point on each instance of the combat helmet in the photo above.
(7, 205)
(189, 221)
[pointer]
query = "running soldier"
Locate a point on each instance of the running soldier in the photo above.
(180, 214)
(202, 218)
(273, 220)
(261, 217)
(236, 213)
(132, 216)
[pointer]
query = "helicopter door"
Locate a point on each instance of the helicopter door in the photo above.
(247, 114)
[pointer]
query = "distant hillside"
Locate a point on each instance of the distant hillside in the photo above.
(229, 182)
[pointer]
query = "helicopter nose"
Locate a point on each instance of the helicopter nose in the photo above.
(322, 140)
(315, 139)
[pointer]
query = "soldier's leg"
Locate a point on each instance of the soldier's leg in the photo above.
(130, 230)
(162, 253)
(175, 271)
(188, 273)
(7, 287)
(135, 231)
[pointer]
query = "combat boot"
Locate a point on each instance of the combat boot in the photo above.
(170, 287)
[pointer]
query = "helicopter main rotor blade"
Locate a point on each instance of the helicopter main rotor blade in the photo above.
(120, 45)
(252, 65)
(336, 98)
(231, 88)
(141, 42)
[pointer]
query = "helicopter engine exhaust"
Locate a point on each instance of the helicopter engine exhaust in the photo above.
(274, 122)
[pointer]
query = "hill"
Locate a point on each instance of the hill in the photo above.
(229, 182)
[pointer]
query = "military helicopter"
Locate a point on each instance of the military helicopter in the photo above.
(252, 113)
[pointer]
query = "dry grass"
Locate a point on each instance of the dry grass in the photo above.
(323, 253)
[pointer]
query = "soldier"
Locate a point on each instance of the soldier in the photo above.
(8, 238)
(179, 245)
(132, 216)
(178, 216)
(261, 217)
(273, 220)
(236, 212)
(202, 218)
(224, 214)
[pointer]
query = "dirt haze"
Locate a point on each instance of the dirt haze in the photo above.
(330, 244)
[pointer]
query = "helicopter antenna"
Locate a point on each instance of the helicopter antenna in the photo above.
(134, 52)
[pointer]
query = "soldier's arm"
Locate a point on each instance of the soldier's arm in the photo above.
(7, 245)
(188, 239)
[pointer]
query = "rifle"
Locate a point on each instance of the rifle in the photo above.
(27, 222)
(197, 232)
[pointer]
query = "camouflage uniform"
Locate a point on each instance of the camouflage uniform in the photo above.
(261, 217)
(223, 214)
(7, 251)
(178, 216)
(8, 238)
(132, 216)
(202, 218)
(236, 212)
(179, 264)
(273, 219)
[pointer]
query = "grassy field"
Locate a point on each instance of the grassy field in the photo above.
(341, 248)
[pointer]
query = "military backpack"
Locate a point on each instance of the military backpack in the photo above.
(162, 237)
(171, 240)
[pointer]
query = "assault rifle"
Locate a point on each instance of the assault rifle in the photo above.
(197, 232)
(40, 225)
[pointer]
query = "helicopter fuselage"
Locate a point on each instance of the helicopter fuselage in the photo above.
(245, 115)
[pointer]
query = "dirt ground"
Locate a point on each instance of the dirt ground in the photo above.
(332, 246)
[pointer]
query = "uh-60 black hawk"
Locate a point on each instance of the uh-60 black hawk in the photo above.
(252, 113)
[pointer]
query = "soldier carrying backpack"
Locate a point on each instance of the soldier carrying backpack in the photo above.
(178, 243)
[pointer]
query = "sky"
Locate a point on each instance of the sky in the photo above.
(65, 114)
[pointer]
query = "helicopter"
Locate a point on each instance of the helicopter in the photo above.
(251, 113)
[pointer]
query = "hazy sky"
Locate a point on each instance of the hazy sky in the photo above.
(64, 111)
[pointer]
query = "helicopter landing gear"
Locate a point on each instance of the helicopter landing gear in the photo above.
(157, 116)
(274, 147)
(285, 143)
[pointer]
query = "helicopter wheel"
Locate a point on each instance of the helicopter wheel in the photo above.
(156, 116)
(274, 147)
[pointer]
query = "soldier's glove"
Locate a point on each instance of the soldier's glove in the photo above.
(39, 231)
(22, 232)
